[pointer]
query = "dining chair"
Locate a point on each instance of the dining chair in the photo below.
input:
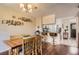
(14, 51)
(38, 45)
(28, 44)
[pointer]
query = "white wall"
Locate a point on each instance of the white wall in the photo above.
(78, 21)
(77, 28)
(66, 22)
(40, 20)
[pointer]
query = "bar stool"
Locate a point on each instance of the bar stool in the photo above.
(14, 51)
(38, 45)
(28, 46)
(53, 35)
(44, 36)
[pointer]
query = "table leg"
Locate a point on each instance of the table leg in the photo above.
(10, 51)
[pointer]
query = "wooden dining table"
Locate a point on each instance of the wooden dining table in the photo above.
(14, 43)
(17, 42)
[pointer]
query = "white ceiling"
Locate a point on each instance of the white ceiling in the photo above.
(59, 9)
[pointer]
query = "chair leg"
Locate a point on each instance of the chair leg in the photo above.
(16, 51)
(41, 50)
(35, 51)
(13, 51)
(32, 52)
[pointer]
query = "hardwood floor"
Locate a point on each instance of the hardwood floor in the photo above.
(4, 53)
(60, 49)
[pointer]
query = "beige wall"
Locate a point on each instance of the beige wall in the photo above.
(5, 30)
(38, 22)
(49, 19)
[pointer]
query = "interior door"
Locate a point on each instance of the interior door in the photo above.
(73, 30)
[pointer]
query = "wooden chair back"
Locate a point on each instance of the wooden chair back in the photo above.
(29, 46)
(38, 45)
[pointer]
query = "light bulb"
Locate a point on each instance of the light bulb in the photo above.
(30, 10)
(29, 6)
(21, 5)
(24, 9)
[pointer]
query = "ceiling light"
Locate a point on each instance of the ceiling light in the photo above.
(27, 7)
(24, 9)
(21, 5)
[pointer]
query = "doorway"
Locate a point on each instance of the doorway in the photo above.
(73, 30)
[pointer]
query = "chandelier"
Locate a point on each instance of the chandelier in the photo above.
(27, 7)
